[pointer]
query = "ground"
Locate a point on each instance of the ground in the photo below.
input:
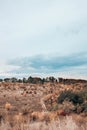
(19, 100)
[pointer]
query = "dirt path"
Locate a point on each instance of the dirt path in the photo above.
(43, 105)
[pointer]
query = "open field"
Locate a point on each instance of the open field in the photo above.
(26, 106)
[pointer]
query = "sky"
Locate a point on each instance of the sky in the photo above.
(43, 37)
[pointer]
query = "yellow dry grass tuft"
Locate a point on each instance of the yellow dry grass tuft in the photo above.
(8, 106)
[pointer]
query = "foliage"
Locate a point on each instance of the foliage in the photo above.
(70, 96)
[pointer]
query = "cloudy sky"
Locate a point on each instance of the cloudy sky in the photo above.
(43, 37)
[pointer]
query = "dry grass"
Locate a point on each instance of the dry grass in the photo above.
(8, 106)
(19, 101)
(61, 124)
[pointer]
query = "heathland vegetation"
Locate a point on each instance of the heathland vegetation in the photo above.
(36, 103)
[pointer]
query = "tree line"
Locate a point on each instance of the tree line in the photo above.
(30, 79)
(36, 80)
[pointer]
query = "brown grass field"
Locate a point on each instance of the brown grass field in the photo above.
(26, 106)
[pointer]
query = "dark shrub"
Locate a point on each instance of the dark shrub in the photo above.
(70, 96)
(83, 94)
(84, 107)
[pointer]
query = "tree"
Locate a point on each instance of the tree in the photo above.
(7, 80)
(24, 80)
(13, 80)
(30, 79)
(1, 80)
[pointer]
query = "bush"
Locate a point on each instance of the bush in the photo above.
(83, 94)
(70, 96)
(84, 107)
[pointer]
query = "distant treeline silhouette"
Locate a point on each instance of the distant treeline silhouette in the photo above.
(35, 80)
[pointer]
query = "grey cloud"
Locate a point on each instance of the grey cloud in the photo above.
(49, 64)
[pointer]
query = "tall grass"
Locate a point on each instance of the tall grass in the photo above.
(64, 124)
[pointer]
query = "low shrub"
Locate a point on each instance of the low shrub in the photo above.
(75, 98)
(83, 94)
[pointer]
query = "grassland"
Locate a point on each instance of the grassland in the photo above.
(27, 106)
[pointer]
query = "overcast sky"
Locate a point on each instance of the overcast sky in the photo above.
(44, 30)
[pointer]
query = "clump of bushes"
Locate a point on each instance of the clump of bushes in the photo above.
(83, 94)
(78, 100)
(81, 108)
(70, 96)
